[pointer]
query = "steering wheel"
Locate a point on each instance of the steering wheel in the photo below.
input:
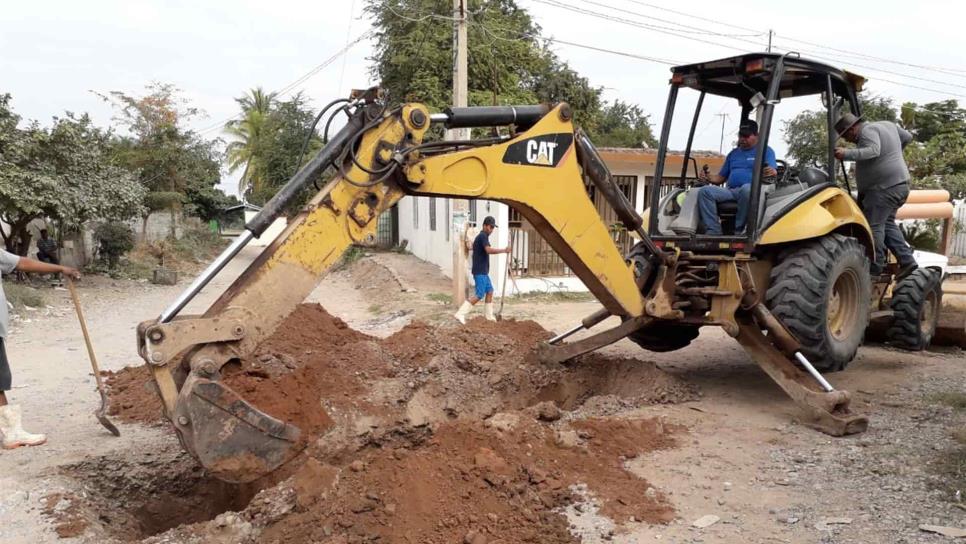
(781, 176)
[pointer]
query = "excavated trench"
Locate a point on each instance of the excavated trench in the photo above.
(436, 401)
(134, 497)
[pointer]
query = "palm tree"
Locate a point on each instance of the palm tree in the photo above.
(250, 139)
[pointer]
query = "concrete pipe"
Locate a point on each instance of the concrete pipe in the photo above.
(932, 210)
(927, 196)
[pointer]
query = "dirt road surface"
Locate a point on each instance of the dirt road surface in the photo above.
(741, 457)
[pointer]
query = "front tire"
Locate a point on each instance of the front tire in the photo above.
(915, 304)
(820, 290)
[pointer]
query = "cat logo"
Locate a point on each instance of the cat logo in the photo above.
(546, 150)
(540, 152)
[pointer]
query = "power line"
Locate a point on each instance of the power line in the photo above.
(943, 69)
(676, 24)
(715, 21)
(525, 37)
(557, 3)
(958, 72)
(291, 86)
(883, 70)
(583, 11)
(348, 33)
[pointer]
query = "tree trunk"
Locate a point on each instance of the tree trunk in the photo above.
(144, 227)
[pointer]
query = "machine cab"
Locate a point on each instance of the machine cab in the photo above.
(748, 87)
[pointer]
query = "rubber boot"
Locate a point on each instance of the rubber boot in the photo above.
(464, 309)
(13, 434)
(488, 311)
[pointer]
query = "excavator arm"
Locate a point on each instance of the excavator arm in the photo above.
(379, 157)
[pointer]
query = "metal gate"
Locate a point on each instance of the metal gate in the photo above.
(958, 245)
(531, 255)
(387, 229)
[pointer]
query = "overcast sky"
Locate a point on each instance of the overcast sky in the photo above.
(56, 52)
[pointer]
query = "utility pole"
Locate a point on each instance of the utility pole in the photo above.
(460, 207)
(770, 32)
(460, 83)
(723, 116)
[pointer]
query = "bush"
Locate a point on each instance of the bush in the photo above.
(21, 295)
(113, 241)
(923, 236)
(197, 244)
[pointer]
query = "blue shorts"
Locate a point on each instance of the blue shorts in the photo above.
(483, 285)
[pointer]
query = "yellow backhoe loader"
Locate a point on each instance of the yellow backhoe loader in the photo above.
(794, 289)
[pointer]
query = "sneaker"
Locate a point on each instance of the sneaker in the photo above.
(460, 317)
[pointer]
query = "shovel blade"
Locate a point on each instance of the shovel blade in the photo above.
(101, 415)
(235, 441)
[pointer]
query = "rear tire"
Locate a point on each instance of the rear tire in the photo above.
(915, 302)
(663, 337)
(820, 290)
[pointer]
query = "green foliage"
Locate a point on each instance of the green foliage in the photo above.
(922, 235)
(208, 203)
(166, 157)
(197, 244)
(20, 295)
(65, 173)
(807, 133)
(624, 125)
(934, 118)
(163, 200)
(113, 240)
(508, 64)
(351, 255)
(937, 159)
(267, 142)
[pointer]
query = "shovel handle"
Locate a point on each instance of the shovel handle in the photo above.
(87, 336)
(506, 276)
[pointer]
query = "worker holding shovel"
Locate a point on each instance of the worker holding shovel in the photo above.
(481, 272)
(13, 434)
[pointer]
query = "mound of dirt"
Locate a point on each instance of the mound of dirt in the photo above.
(133, 396)
(469, 483)
(439, 433)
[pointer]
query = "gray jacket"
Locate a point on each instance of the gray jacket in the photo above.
(878, 156)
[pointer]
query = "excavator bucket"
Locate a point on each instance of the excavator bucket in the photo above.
(234, 440)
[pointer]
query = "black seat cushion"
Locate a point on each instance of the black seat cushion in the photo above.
(729, 207)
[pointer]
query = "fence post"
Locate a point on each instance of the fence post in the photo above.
(459, 226)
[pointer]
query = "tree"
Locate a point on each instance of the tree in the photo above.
(173, 163)
(807, 133)
(269, 146)
(250, 135)
(508, 63)
(624, 125)
(65, 173)
(932, 119)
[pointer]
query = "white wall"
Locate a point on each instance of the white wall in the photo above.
(429, 245)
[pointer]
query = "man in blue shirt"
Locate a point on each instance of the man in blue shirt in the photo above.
(737, 170)
(481, 271)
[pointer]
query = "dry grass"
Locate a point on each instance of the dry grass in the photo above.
(23, 295)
